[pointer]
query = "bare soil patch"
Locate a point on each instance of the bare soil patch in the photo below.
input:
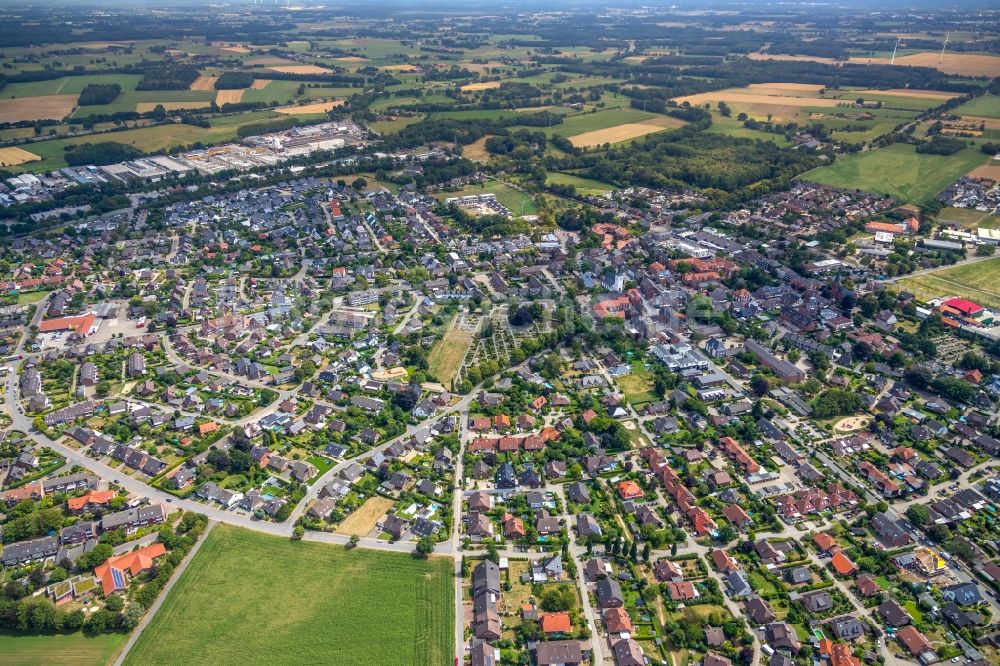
(991, 171)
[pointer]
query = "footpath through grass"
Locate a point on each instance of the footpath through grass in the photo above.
(252, 598)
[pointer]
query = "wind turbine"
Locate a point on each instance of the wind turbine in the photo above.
(893, 61)
(947, 35)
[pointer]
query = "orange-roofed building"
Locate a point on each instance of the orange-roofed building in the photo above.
(555, 623)
(82, 325)
(629, 490)
(617, 621)
(843, 564)
(116, 571)
(824, 541)
(839, 654)
(206, 428)
(91, 499)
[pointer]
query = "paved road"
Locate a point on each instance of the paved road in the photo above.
(162, 596)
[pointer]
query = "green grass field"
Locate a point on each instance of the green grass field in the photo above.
(514, 200)
(253, 598)
(898, 170)
(67, 85)
(589, 122)
(969, 218)
(279, 91)
(987, 106)
(71, 649)
(393, 126)
(584, 186)
(732, 127)
(976, 282)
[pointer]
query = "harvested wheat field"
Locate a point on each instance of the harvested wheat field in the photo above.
(204, 83)
(623, 132)
(907, 92)
(259, 84)
(482, 85)
(792, 58)
(229, 96)
(363, 520)
(991, 171)
(45, 107)
(15, 156)
(300, 69)
(780, 88)
(402, 67)
(476, 151)
(233, 48)
(268, 61)
(351, 59)
(145, 107)
(964, 64)
(737, 96)
(318, 107)
(988, 123)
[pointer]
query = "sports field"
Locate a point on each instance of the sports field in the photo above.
(446, 356)
(975, 281)
(898, 170)
(71, 649)
(253, 598)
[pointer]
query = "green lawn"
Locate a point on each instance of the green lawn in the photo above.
(26, 298)
(584, 186)
(976, 282)
(253, 598)
(71, 649)
(898, 170)
(987, 106)
(733, 127)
